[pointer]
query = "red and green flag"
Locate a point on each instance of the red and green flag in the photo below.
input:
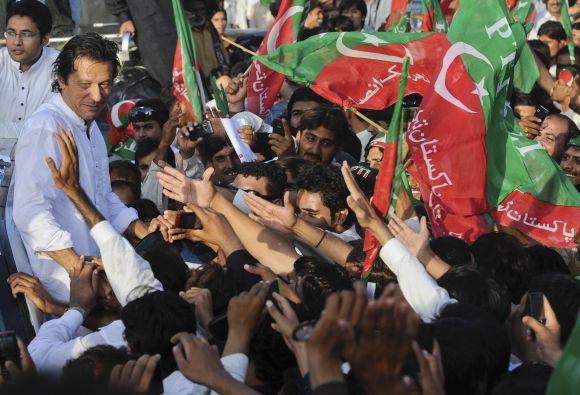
(567, 25)
(523, 11)
(264, 84)
(434, 18)
(187, 82)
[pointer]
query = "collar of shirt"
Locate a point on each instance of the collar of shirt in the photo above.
(77, 121)
(348, 235)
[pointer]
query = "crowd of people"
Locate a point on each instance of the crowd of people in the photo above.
(165, 262)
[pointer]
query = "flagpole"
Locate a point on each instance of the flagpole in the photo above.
(357, 112)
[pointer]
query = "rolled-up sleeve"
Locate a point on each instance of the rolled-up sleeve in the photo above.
(35, 192)
(121, 215)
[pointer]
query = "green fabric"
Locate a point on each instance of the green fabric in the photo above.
(565, 379)
(124, 150)
(567, 25)
(221, 100)
(401, 25)
(189, 59)
(440, 23)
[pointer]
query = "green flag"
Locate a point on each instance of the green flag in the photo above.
(567, 28)
(565, 379)
(221, 100)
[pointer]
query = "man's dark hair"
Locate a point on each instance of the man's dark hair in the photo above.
(552, 29)
(328, 181)
(125, 170)
(542, 50)
(293, 165)
(319, 279)
(571, 128)
(275, 176)
(146, 209)
(210, 146)
(87, 45)
(563, 293)
(468, 284)
(304, 94)
(160, 111)
(359, 4)
(149, 145)
(340, 23)
(35, 10)
(94, 366)
(221, 284)
(463, 355)
(452, 250)
(545, 260)
(576, 26)
(152, 320)
(331, 118)
(520, 98)
(135, 189)
(168, 267)
(530, 378)
(506, 259)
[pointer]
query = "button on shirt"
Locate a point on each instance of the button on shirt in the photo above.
(46, 218)
(23, 92)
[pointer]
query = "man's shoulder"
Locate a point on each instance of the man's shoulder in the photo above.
(46, 119)
(51, 53)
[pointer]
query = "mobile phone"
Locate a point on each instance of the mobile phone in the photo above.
(186, 221)
(542, 112)
(277, 127)
(9, 351)
(536, 306)
(262, 140)
(202, 130)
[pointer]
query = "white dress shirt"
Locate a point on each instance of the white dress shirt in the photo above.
(419, 289)
(46, 218)
(21, 93)
(365, 137)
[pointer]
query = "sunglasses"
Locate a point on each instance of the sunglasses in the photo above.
(142, 114)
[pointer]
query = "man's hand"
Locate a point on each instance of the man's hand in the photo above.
(215, 230)
(31, 287)
(67, 177)
(201, 299)
(247, 135)
(179, 187)
(162, 225)
(283, 145)
(547, 336)
(431, 367)
(245, 311)
(127, 26)
(271, 215)
(261, 270)
(134, 376)
(84, 282)
(197, 360)
(236, 93)
(170, 127)
(417, 243)
(185, 145)
(561, 92)
(531, 126)
(28, 368)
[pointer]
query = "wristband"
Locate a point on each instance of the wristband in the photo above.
(322, 238)
(79, 309)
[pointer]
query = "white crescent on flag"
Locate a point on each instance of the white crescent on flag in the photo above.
(275, 31)
(353, 53)
(456, 50)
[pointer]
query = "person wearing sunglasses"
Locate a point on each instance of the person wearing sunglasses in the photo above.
(25, 64)
(147, 118)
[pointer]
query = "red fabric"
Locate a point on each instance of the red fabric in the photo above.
(179, 88)
(398, 9)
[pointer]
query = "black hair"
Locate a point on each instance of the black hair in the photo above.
(520, 98)
(147, 146)
(542, 50)
(293, 165)
(572, 130)
(304, 94)
(452, 250)
(576, 26)
(210, 146)
(152, 320)
(327, 180)
(168, 267)
(86, 45)
(360, 4)
(319, 279)
(506, 259)
(563, 294)
(146, 209)
(495, 336)
(94, 366)
(340, 23)
(331, 118)
(35, 10)
(468, 284)
(552, 29)
(545, 260)
(39, 384)
(125, 170)
(275, 176)
(463, 355)
(221, 284)
(160, 113)
(120, 184)
(530, 378)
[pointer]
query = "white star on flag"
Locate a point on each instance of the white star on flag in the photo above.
(373, 40)
(480, 89)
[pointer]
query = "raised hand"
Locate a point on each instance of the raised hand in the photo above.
(547, 337)
(431, 367)
(245, 310)
(84, 281)
(281, 218)
(201, 299)
(283, 145)
(31, 287)
(417, 243)
(16, 373)
(67, 177)
(179, 187)
(134, 376)
(357, 201)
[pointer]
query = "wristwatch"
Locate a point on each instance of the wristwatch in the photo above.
(79, 309)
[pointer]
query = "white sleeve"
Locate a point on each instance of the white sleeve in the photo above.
(53, 345)
(420, 290)
(129, 274)
(35, 192)
(237, 366)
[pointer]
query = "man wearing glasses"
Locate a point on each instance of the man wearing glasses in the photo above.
(25, 64)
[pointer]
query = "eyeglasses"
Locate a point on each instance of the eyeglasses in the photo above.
(142, 114)
(25, 35)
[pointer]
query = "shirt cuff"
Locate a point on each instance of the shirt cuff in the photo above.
(236, 365)
(72, 319)
(103, 231)
(394, 252)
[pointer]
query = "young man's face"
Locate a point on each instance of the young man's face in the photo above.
(355, 15)
(298, 109)
(317, 145)
(223, 163)
(375, 157)
(252, 184)
(26, 47)
(88, 87)
(553, 44)
(313, 210)
(553, 7)
(144, 164)
(553, 136)
(147, 129)
(524, 110)
(571, 164)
